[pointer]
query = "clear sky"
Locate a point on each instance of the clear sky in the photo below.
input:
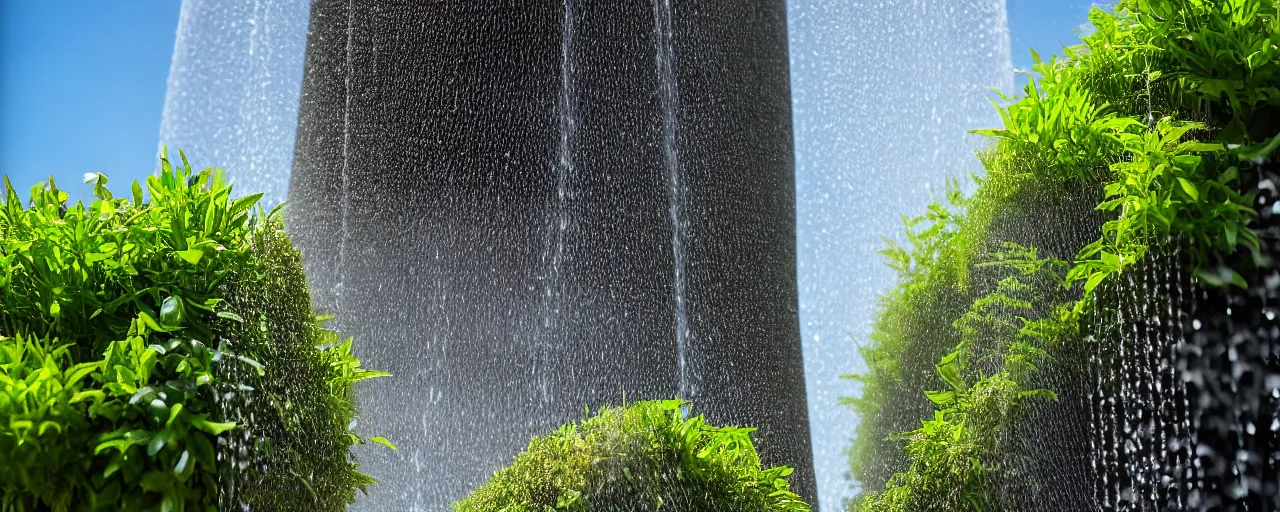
(81, 88)
(1045, 25)
(82, 81)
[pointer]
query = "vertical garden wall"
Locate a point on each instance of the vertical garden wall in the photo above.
(1093, 327)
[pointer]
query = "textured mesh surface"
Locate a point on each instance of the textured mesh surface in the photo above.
(1141, 440)
(1173, 402)
(520, 209)
(1185, 405)
(1231, 366)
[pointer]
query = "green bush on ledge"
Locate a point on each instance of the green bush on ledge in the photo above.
(162, 355)
(643, 457)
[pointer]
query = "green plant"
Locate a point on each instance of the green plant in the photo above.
(910, 334)
(951, 467)
(162, 355)
(1157, 119)
(643, 457)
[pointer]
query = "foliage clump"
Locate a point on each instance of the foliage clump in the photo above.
(643, 457)
(159, 352)
(1158, 119)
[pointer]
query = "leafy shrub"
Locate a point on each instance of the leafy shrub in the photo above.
(1158, 119)
(163, 355)
(643, 457)
(951, 455)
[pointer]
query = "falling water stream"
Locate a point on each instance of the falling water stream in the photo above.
(669, 100)
(345, 199)
(233, 88)
(558, 223)
(883, 94)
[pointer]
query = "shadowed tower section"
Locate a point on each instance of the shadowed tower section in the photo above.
(524, 208)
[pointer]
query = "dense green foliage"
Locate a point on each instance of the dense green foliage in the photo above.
(1156, 119)
(643, 457)
(161, 354)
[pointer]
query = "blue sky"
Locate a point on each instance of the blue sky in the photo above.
(1045, 25)
(81, 88)
(82, 81)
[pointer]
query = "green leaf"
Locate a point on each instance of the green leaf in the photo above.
(47, 424)
(157, 443)
(1259, 153)
(202, 449)
(81, 396)
(1104, 22)
(368, 374)
(171, 311)
(1110, 260)
(1238, 280)
(1093, 281)
(1215, 276)
(384, 442)
(117, 444)
(949, 369)
(211, 427)
(1229, 175)
(940, 398)
(191, 256)
(151, 322)
(1189, 188)
(181, 466)
(173, 414)
(256, 365)
(243, 204)
(210, 216)
(230, 316)
(1198, 147)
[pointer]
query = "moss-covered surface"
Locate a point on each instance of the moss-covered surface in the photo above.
(642, 457)
(1157, 122)
(158, 352)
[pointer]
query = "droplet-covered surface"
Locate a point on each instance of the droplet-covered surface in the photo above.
(531, 209)
(1185, 405)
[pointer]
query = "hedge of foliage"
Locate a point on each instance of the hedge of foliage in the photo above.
(159, 352)
(643, 457)
(1158, 119)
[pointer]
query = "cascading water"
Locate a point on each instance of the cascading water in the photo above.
(1142, 440)
(1176, 409)
(1230, 365)
(671, 157)
(344, 190)
(523, 199)
(233, 89)
(558, 224)
(518, 216)
(883, 95)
